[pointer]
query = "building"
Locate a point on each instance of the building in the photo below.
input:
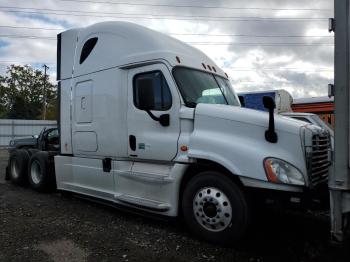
(322, 106)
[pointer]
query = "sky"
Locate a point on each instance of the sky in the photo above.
(261, 45)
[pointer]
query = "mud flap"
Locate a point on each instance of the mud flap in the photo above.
(7, 175)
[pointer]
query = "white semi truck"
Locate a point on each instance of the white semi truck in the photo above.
(150, 123)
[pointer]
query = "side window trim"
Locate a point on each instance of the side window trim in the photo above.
(163, 80)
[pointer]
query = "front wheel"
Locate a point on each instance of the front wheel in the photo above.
(215, 208)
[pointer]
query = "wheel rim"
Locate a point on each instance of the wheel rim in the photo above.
(212, 209)
(14, 169)
(35, 172)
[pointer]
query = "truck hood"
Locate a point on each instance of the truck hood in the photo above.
(234, 137)
(24, 141)
(248, 116)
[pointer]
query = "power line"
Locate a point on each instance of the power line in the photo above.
(208, 19)
(34, 28)
(29, 62)
(325, 69)
(198, 6)
(245, 35)
(262, 44)
(186, 34)
(281, 69)
(28, 37)
(165, 15)
(195, 43)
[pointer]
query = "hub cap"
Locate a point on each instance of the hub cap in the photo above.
(212, 209)
(35, 172)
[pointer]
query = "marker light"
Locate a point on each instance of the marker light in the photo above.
(279, 171)
(178, 59)
(183, 148)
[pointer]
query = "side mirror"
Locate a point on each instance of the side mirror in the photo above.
(145, 94)
(270, 133)
(269, 103)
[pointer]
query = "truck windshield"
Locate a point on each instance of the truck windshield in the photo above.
(202, 87)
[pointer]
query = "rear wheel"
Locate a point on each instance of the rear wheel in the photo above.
(41, 174)
(215, 208)
(32, 151)
(18, 166)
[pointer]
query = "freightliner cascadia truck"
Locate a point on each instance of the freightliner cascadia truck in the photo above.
(150, 123)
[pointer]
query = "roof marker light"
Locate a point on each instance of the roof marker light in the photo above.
(209, 67)
(204, 66)
(214, 69)
(226, 75)
(178, 59)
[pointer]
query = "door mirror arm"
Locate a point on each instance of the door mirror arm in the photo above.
(164, 119)
(270, 133)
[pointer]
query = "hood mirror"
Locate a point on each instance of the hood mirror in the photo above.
(270, 133)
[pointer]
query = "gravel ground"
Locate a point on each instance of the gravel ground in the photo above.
(50, 227)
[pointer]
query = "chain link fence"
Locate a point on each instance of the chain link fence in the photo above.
(17, 128)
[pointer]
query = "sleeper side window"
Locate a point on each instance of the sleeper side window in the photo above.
(87, 49)
(161, 93)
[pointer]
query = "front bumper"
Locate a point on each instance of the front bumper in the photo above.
(316, 198)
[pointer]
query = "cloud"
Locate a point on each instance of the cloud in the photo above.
(256, 56)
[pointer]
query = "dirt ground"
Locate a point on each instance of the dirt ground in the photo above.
(50, 227)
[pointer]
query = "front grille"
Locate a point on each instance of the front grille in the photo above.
(319, 160)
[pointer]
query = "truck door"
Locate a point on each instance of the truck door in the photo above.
(148, 139)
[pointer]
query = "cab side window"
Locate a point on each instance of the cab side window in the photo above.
(162, 96)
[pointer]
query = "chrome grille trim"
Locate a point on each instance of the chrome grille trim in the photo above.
(318, 159)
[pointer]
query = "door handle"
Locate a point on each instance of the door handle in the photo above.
(107, 164)
(132, 142)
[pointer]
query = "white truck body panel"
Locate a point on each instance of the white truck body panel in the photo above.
(125, 44)
(98, 114)
(151, 136)
(234, 131)
(152, 185)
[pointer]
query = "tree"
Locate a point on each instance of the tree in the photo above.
(22, 94)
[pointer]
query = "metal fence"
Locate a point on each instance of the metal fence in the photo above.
(16, 128)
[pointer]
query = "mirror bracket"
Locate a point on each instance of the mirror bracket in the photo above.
(270, 133)
(164, 119)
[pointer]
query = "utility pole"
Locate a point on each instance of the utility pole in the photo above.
(44, 102)
(339, 179)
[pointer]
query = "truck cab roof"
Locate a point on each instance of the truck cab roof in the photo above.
(122, 44)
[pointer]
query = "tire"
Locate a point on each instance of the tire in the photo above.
(41, 172)
(214, 208)
(32, 151)
(18, 167)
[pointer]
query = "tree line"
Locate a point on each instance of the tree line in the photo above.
(24, 91)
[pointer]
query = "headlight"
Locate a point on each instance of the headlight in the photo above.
(279, 171)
